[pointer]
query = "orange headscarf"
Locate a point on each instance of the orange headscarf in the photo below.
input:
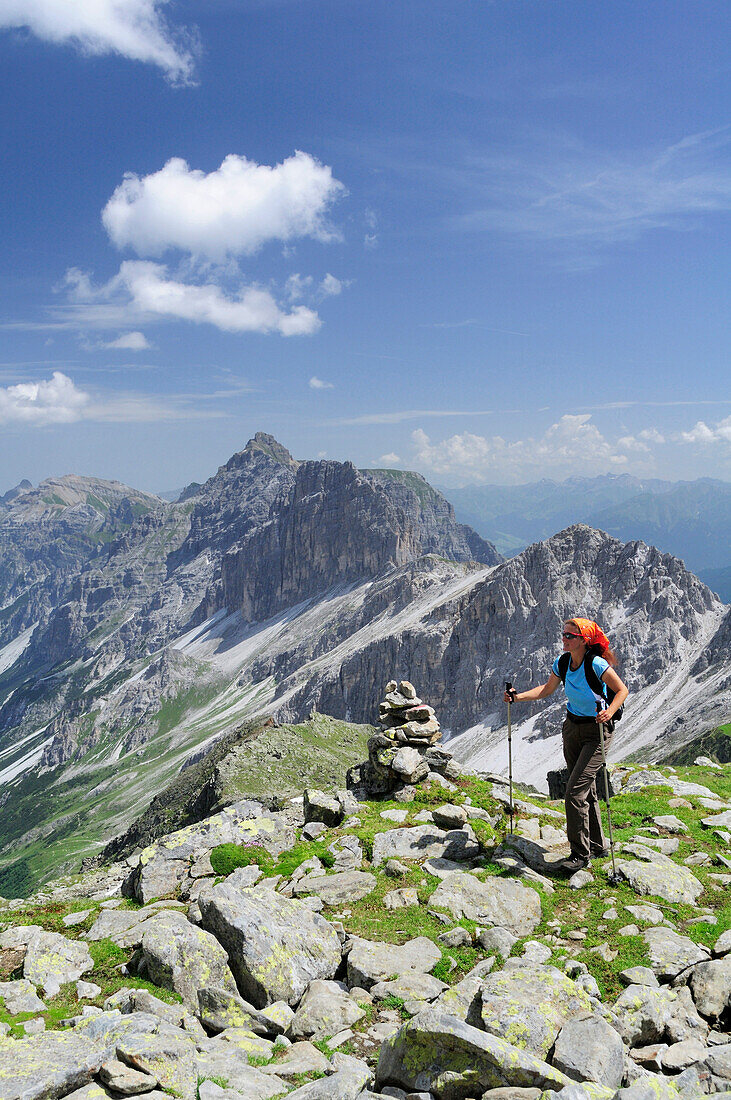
(592, 633)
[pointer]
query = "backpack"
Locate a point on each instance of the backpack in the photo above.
(596, 685)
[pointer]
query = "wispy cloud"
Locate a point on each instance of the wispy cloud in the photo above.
(128, 341)
(584, 196)
(410, 414)
(318, 384)
(144, 291)
(133, 28)
(470, 322)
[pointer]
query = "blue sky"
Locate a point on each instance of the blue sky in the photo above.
(485, 239)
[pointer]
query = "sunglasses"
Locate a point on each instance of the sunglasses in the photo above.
(566, 634)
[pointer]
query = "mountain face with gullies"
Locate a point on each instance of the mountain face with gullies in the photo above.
(282, 588)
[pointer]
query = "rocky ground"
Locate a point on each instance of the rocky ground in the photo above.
(337, 949)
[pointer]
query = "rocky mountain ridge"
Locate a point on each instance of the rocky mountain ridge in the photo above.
(282, 586)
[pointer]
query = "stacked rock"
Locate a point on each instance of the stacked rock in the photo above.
(405, 752)
(405, 719)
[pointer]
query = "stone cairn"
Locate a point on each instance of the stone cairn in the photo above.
(405, 752)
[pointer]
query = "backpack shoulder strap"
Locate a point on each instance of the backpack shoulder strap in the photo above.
(563, 666)
(592, 679)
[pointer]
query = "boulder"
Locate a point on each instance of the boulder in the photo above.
(409, 765)
(325, 1009)
(48, 1065)
(528, 1006)
(335, 889)
(661, 877)
(590, 1050)
(642, 1014)
(184, 958)
(448, 1058)
(276, 946)
(319, 806)
(169, 1058)
(670, 953)
(52, 960)
(369, 962)
(424, 842)
(347, 1082)
(449, 816)
(710, 984)
(411, 986)
(497, 901)
(21, 996)
(220, 1009)
(127, 927)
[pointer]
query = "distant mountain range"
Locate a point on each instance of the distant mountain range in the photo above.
(691, 519)
(134, 633)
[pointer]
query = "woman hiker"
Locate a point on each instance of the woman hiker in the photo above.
(581, 745)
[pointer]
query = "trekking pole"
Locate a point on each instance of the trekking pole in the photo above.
(614, 877)
(509, 690)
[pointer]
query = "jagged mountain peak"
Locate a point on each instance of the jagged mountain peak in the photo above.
(265, 444)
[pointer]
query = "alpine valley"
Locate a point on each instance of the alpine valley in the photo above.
(141, 640)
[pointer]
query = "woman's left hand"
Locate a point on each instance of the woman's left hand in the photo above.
(604, 716)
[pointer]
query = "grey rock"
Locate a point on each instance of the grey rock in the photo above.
(639, 975)
(681, 1055)
(497, 901)
(21, 996)
(184, 958)
(325, 1009)
(650, 914)
(710, 984)
(424, 842)
(440, 1054)
(670, 822)
(497, 939)
(48, 1065)
(671, 953)
(298, 1058)
(322, 807)
(337, 888)
(127, 927)
(350, 1077)
(167, 1054)
(276, 947)
(528, 1005)
(409, 764)
(220, 1009)
(411, 986)
(124, 1080)
(722, 945)
(662, 878)
(449, 816)
(404, 898)
(590, 1050)
(251, 1084)
(369, 962)
(52, 960)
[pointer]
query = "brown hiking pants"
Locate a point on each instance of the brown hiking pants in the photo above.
(583, 753)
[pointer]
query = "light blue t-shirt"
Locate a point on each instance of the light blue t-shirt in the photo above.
(581, 699)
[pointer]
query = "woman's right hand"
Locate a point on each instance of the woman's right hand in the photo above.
(510, 696)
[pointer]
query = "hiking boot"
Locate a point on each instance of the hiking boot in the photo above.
(574, 864)
(600, 853)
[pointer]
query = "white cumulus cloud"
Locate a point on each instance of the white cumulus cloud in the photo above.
(572, 445)
(54, 401)
(318, 384)
(389, 460)
(133, 28)
(231, 211)
(145, 291)
(706, 434)
(129, 341)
